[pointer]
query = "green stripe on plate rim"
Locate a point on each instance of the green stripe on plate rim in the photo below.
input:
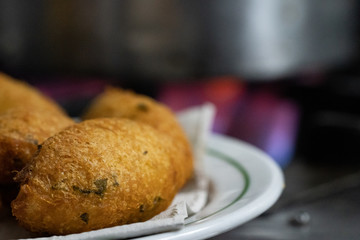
(238, 167)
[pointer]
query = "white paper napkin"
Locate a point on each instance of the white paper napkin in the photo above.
(197, 122)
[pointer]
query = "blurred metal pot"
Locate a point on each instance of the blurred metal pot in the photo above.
(257, 39)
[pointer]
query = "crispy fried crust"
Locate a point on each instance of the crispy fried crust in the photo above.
(14, 93)
(96, 174)
(116, 102)
(21, 133)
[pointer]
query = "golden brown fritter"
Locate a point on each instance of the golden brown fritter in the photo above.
(116, 102)
(21, 133)
(98, 173)
(14, 93)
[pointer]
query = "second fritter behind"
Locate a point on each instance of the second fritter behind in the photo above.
(119, 103)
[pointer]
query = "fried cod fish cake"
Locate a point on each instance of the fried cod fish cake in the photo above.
(21, 133)
(15, 93)
(95, 174)
(116, 102)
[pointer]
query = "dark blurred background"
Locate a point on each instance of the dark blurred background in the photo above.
(284, 75)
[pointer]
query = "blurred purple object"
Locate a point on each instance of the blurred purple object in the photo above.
(226, 93)
(70, 88)
(268, 122)
(72, 93)
(258, 117)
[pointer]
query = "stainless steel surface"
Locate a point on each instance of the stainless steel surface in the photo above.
(172, 39)
(327, 196)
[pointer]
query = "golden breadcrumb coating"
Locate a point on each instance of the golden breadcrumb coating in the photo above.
(15, 93)
(98, 173)
(21, 133)
(116, 102)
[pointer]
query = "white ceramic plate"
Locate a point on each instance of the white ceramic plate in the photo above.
(245, 183)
